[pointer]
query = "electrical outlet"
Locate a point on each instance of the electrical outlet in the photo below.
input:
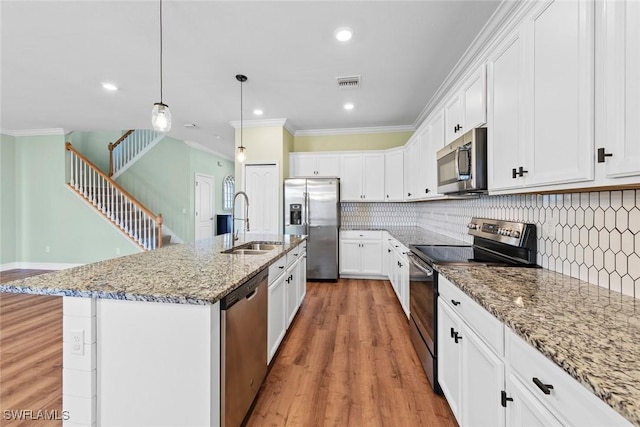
(184, 210)
(47, 249)
(117, 251)
(77, 341)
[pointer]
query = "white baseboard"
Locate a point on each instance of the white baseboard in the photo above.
(37, 266)
(363, 276)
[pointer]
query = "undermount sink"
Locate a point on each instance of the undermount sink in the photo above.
(253, 248)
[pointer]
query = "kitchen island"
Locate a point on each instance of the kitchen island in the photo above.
(142, 333)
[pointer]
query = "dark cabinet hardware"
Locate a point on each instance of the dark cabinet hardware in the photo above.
(387, 196)
(389, 250)
(457, 128)
(518, 173)
(602, 155)
(426, 191)
(454, 302)
(457, 337)
(504, 399)
(396, 246)
(546, 388)
(281, 267)
(408, 194)
(453, 332)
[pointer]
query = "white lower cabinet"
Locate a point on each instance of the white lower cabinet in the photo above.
(361, 253)
(398, 271)
(523, 409)
(287, 290)
(277, 320)
(492, 377)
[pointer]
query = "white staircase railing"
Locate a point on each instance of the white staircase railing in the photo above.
(129, 148)
(112, 201)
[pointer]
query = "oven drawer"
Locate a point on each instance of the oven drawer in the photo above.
(490, 329)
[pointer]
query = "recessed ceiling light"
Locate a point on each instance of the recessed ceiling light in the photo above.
(189, 125)
(348, 106)
(109, 86)
(258, 112)
(343, 34)
(218, 137)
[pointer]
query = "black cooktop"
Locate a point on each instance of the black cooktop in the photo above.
(458, 255)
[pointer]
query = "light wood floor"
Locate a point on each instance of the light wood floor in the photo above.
(348, 361)
(30, 353)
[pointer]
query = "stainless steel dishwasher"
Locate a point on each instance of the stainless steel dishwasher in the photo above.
(244, 348)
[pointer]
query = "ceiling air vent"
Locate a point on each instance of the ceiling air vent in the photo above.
(351, 82)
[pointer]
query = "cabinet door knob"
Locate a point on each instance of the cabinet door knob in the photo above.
(518, 173)
(546, 388)
(408, 194)
(426, 190)
(602, 155)
(389, 250)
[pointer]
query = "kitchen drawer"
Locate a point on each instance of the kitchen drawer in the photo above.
(569, 400)
(361, 234)
(490, 329)
(277, 268)
(293, 255)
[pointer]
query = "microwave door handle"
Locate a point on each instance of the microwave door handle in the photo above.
(457, 164)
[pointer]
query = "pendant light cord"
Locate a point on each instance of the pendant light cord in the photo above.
(241, 116)
(161, 52)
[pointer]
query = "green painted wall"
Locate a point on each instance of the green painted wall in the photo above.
(7, 199)
(93, 145)
(287, 139)
(163, 180)
(370, 141)
(49, 214)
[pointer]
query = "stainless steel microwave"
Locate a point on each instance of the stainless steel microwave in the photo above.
(462, 165)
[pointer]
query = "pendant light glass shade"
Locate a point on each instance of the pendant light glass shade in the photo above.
(241, 154)
(161, 117)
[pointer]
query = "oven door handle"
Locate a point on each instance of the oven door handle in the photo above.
(425, 270)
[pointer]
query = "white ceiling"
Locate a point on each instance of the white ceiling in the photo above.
(55, 54)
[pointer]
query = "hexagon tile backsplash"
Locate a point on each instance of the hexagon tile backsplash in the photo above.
(591, 236)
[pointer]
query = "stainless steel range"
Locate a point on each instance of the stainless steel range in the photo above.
(495, 243)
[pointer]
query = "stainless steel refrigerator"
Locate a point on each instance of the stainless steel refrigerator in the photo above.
(312, 207)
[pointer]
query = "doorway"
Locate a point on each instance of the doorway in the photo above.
(204, 206)
(263, 189)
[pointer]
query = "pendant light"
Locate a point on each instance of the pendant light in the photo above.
(160, 115)
(241, 149)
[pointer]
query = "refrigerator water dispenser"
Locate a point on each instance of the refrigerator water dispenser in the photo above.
(295, 213)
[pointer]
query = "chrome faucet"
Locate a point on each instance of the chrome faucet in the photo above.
(233, 214)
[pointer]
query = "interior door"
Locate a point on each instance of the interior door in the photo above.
(263, 191)
(204, 206)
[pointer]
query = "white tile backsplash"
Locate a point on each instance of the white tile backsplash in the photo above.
(595, 237)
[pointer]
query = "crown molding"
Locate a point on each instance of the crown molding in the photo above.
(34, 132)
(198, 146)
(502, 19)
(355, 131)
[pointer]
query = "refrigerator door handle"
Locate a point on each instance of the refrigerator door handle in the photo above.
(306, 211)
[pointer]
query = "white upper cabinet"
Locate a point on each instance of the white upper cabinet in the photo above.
(541, 99)
(314, 165)
(467, 108)
(411, 166)
(506, 112)
(434, 142)
(393, 176)
(621, 57)
(561, 90)
(362, 177)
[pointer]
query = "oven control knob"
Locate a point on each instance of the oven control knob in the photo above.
(501, 231)
(472, 226)
(515, 234)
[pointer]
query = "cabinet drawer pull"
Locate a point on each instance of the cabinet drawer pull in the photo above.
(546, 388)
(281, 267)
(453, 332)
(504, 399)
(454, 302)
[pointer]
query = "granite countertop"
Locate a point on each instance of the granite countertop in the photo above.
(196, 273)
(414, 236)
(591, 333)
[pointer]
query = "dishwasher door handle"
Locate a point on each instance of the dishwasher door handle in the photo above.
(251, 294)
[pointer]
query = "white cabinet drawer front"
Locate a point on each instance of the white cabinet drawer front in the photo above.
(490, 329)
(570, 401)
(293, 255)
(277, 268)
(361, 234)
